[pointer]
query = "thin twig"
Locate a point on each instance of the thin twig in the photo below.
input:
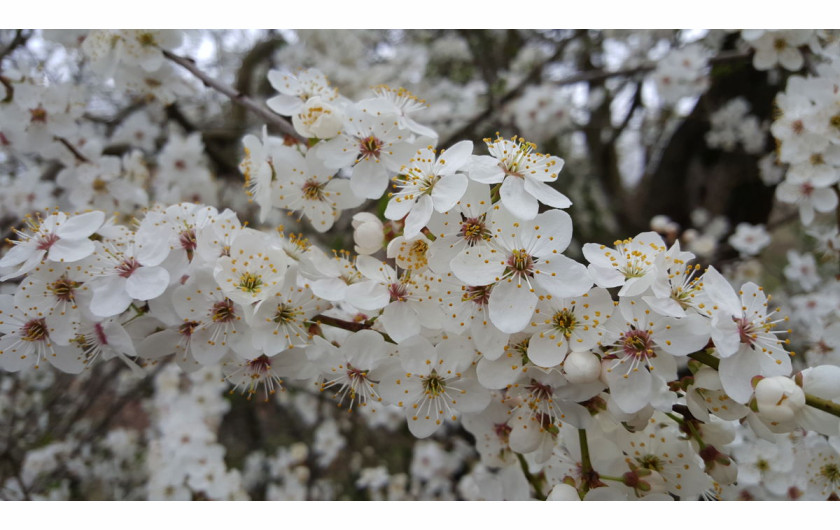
(531, 78)
(237, 97)
(19, 39)
(76, 153)
(591, 76)
(532, 480)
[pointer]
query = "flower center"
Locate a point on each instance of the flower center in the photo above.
(473, 230)
(47, 241)
(433, 385)
(99, 185)
(478, 294)
(539, 391)
(250, 283)
(746, 331)
(35, 330)
(651, 462)
(127, 267)
(564, 321)
(370, 147)
(398, 292)
(286, 314)
(521, 263)
(38, 115)
(313, 190)
(260, 365)
(503, 431)
(356, 375)
(637, 343)
(187, 240)
(831, 472)
(146, 39)
(64, 289)
(223, 311)
(780, 44)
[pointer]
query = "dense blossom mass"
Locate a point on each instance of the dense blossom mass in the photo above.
(469, 314)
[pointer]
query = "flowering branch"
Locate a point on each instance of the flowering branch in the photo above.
(532, 480)
(590, 477)
(810, 400)
(237, 97)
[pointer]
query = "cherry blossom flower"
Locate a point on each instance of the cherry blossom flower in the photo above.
(523, 174)
(372, 144)
(433, 383)
(563, 324)
(630, 265)
(641, 361)
(744, 335)
(58, 238)
(254, 270)
(304, 184)
(427, 184)
(349, 370)
(25, 340)
(522, 253)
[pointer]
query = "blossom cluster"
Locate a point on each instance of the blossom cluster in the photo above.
(618, 376)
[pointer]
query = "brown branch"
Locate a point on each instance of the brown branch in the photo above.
(79, 156)
(19, 39)
(343, 324)
(237, 97)
(261, 52)
(592, 76)
(531, 78)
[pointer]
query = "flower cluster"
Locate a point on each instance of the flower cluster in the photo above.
(618, 376)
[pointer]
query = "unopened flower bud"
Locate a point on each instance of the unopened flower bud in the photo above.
(563, 492)
(719, 466)
(582, 367)
(778, 400)
(367, 233)
(644, 481)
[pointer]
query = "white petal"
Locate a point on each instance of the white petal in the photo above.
(71, 250)
(511, 306)
(418, 217)
(485, 169)
(400, 321)
(369, 180)
(478, 265)
(109, 297)
(563, 277)
(448, 191)
(546, 194)
(452, 159)
(518, 201)
(547, 352)
(147, 282)
(80, 226)
(397, 209)
(368, 296)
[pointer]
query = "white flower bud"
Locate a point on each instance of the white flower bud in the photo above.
(563, 492)
(582, 367)
(367, 233)
(779, 400)
(318, 119)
